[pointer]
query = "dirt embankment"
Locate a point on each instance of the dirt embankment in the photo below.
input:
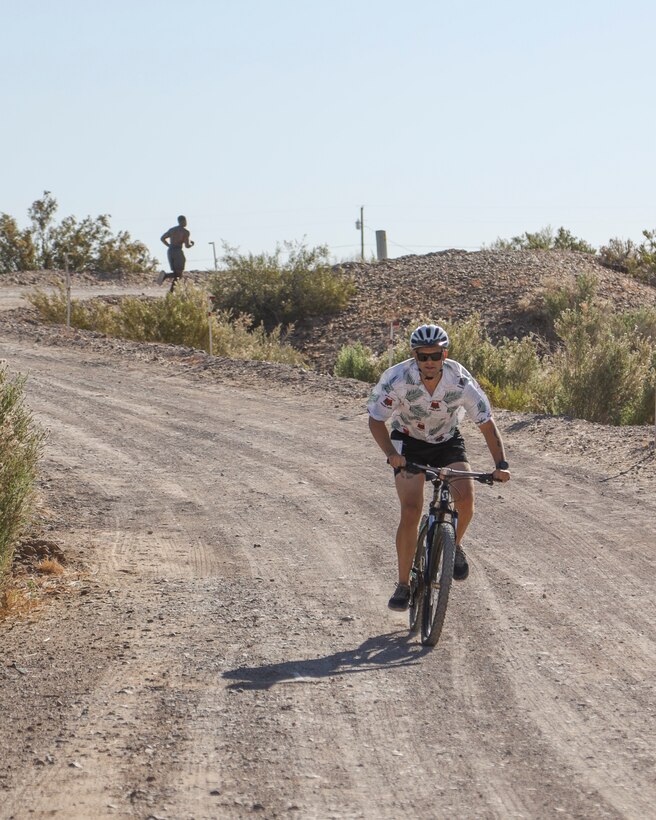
(504, 288)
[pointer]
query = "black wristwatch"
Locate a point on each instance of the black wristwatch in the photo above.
(503, 465)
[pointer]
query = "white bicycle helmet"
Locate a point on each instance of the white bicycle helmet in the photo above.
(429, 336)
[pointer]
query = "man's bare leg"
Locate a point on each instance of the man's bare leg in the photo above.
(462, 490)
(410, 489)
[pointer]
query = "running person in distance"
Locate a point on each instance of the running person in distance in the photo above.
(424, 399)
(176, 239)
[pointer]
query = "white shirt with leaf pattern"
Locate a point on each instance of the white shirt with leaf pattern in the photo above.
(401, 396)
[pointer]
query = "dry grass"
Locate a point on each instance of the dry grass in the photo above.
(180, 318)
(50, 566)
(29, 585)
(17, 601)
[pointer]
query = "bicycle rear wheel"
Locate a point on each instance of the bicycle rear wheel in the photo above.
(417, 579)
(437, 583)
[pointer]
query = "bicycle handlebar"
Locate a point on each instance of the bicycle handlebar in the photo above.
(448, 472)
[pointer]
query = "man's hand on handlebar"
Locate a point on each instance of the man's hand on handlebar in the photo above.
(501, 475)
(396, 460)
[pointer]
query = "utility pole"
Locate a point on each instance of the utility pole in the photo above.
(359, 225)
(216, 267)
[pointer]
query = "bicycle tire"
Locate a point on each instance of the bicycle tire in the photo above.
(437, 584)
(417, 579)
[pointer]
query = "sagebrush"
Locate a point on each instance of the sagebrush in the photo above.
(180, 318)
(20, 445)
(282, 287)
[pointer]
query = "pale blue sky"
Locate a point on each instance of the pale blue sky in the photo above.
(451, 123)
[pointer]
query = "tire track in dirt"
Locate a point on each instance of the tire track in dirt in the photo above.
(240, 657)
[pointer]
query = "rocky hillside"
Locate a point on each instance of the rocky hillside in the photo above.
(503, 287)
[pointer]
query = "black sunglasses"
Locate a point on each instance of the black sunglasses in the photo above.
(434, 357)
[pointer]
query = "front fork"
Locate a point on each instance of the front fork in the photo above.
(428, 523)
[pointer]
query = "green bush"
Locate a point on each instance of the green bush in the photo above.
(360, 362)
(507, 397)
(92, 314)
(544, 240)
(280, 288)
(619, 254)
(639, 322)
(181, 318)
(553, 299)
(570, 297)
(603, 370)
(20, 446)
(645, 270)
(639, 261)
(357, 362)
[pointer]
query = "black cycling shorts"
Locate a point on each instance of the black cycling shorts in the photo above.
(435, 455)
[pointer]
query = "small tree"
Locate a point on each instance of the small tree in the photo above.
(123, 254)
(87, 244)
(78, 241)
(17, 251)
(42, 213)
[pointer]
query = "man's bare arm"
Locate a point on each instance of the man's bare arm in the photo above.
(381, 437)
(164, 237)
(494, 443)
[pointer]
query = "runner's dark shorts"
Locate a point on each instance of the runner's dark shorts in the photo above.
(436, 455)
(176, 260)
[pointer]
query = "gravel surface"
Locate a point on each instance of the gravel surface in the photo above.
(219, 644)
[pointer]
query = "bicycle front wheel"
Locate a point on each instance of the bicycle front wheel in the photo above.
(437, 584)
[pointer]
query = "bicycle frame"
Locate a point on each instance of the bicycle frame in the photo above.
(441, 506)
(440, 509)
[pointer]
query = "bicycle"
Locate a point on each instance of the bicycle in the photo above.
(432, 568)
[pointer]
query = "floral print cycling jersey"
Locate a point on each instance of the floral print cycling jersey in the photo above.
(401, 397)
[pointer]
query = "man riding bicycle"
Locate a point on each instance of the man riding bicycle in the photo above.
(425, 398)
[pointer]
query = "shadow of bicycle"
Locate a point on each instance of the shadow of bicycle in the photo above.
(389, 651)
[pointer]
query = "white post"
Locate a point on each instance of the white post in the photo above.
(390, 342)
(381, 245)
(68, 294)
(209, 324)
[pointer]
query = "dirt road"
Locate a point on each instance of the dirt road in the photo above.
(228, 651)
(14, 297)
